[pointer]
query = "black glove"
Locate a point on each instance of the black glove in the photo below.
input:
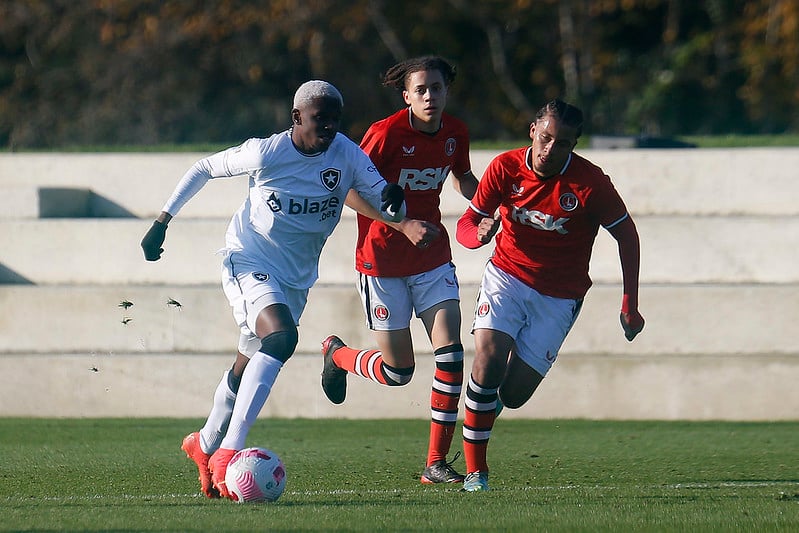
(152, 241)
(392, 197)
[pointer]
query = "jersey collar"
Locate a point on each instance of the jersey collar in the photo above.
(528, 157)
(410, 124)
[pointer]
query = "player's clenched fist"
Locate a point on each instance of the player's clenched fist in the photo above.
(392, 197)
(632, 323)
(152, 241)
(486, 229)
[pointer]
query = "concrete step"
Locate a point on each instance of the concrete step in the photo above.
(690, 181)
(681, 319)
(675, 249)
(657, 387)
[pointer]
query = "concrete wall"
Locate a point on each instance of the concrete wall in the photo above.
(719, 290)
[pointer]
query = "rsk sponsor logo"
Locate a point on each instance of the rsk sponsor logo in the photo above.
(424, 179)
(539, 220)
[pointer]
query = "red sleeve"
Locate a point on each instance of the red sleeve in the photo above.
(463, 163)
(626, 235)
(466, 233)
(372, 144)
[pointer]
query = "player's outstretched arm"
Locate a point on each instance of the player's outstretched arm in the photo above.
(626, 236)
(190, 184)
(420, 232)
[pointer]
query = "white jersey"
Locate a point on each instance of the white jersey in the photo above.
(294, 202)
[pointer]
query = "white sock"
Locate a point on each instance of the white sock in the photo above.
(217, 423)
(256, 384)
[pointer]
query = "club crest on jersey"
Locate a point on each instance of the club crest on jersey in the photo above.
(449, 146)
(381, 312)
(568, 201)
(330, 178)
(482, 309)
(260, 276)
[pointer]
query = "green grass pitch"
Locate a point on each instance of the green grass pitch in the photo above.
(363, 475)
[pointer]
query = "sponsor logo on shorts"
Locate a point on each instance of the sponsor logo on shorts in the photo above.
(260, 276)
(381, 312)
(483, 308)
(568, 201)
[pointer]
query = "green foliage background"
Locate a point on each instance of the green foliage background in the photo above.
(146, 72)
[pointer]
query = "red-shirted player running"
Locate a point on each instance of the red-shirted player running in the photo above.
(551, 203)
(407, 267)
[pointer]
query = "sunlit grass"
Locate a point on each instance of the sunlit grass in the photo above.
(362, 475)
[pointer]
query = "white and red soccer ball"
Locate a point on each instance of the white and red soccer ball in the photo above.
(255, 475)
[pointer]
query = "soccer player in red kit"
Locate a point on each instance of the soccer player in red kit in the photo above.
(407, 267)
(551, 203)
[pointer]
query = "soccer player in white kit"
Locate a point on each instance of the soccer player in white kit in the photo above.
(299, 180)
(551, 203)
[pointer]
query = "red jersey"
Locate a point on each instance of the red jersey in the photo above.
(549, 225)
(419, 163)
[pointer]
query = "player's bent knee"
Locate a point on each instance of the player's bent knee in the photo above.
(280, 344)
(512, 401)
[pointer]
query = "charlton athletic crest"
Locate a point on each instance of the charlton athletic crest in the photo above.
(381, 312)
(568, 201)
(330, 178)
(449, 146)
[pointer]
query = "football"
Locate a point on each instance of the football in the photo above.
(255, 475)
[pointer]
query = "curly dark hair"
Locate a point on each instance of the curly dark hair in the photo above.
(397, 76)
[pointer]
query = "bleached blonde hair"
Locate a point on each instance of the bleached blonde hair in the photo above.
(311, 90)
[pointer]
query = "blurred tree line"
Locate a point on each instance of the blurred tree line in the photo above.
(105, 72)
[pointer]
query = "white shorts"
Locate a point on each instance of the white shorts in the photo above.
(538, 323)
(250, 288)
(389, 302)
